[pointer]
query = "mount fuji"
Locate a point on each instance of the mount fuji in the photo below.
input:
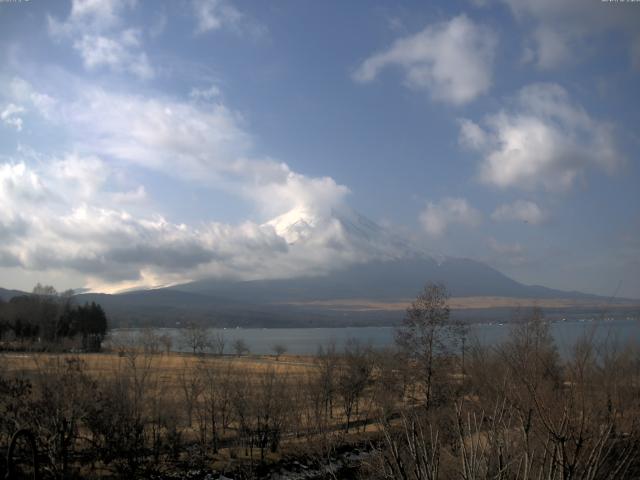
(341, 227)
(355, 273)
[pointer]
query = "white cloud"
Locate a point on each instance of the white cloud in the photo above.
(49, 228)
(544, 140)
(520, 211)
(207, 94)
(84, 176)
(290, 190)
(22, 92)
(215, 14)
(96, 28)
(204, 143)
(79, 224)
(49, 225)
(452, 60)
(196, 142)
(101, 14)
(437, 217)
(132, 196)
(96, 16)
(10, 115)
(19, 184)
(120, 54)
(560, 29)
(18, 100)
(471, 135)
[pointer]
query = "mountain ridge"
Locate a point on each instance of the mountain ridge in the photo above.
(384, 269)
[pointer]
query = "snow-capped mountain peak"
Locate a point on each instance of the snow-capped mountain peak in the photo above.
(296, 225)
(345, 228)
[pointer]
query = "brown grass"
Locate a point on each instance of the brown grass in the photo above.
(361, 304)
(168, 366)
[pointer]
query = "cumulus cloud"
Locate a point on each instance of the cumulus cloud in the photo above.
(10, 115)
(204, 143)
(100, 38)
(519, 211)
(291, 190)
(437, 217)
(215, 14)
(19, 184)
(209, 93)
(45, 226)
(84, 176)
(557, 29)
(452, 60)
(18, 101)
(196, 142)
(98, 15)
(544, 140)
(21, 92)
(212, 15)
(132, 196)
(70, 212)
(48, 229)
(471, 135)
(117, 53)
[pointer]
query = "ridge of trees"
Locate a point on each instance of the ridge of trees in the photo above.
(46, 316)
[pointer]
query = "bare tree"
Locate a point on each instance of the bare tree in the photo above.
(390, 385)
(213, 411)
(218, 343)
(412, 452)
(191, 385)
(240, 347)
(428, 335)
(166, 341)
(354, 377)
(150, 340)
(61, 401)
(270, 410)
(279, 349)
(196, 338)
(327, 362)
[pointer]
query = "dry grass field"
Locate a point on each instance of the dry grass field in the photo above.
(232, 406)
(163, 372)
(462, 303)
(169, 366)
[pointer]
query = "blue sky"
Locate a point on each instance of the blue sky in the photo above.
(146, 143)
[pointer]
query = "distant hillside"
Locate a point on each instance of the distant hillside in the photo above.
(364, 294)
(328, 300)
(7, 295)
(390, 280)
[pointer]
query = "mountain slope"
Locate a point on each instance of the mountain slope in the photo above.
(388, 280)
(375, 268)
(328, 300)
(6, 295)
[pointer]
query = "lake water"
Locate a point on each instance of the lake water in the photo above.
(304, 341)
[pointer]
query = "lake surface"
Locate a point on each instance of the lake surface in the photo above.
(303, 341)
